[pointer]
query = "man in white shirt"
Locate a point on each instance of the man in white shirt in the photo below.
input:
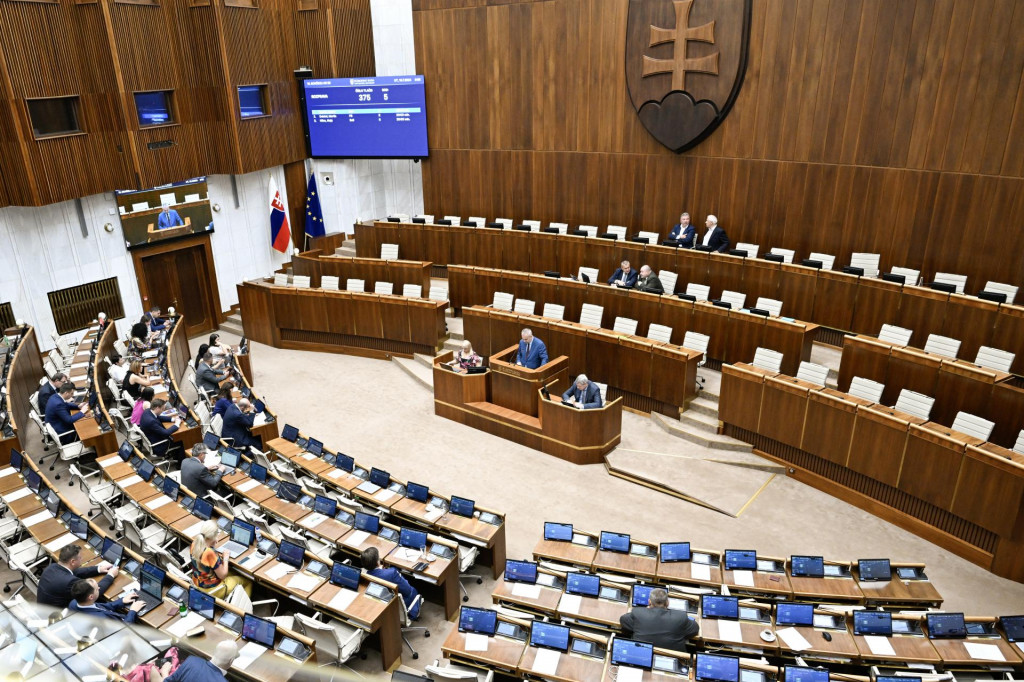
(715, 239)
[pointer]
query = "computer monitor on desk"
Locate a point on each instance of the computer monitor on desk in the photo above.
(559, 532)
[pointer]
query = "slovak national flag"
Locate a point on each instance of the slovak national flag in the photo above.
(280, 234)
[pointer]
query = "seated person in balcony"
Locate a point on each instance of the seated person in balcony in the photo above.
(152, 425)
(156, 323)
(624, 276)
(168, 218)
(582, 394)
(648, 281)
(134, 380)
(58, 413)
(140, 336)
(683, 232)
(224, 399)
(218, 348)
(370, 559)
(141, 405)
(532, 351)
(657, 624)
(715, 237)
(101, 320)
(238, 422)
(466, 358)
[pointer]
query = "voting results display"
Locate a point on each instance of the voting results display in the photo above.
(383, 117)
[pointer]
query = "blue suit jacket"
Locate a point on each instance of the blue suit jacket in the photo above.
(43, 398)
(685, 237)
(590, 398)
(58, 415)
(237, 425)
(169, 219)
(408, 592)
(222, 406)
(155, 431)
(55, 583)
(196, 669)
(107, 610)
(630, 278)
(537, 356)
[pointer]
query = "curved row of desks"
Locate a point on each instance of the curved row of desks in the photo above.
(24, 370)
(956, 491)
(828, 298)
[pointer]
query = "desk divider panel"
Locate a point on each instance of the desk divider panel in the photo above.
(741, 397)
(878, 445)
(743, 334)
(990, 491)
(828, 427)
(914, 370)
(725, 272)
(516, 250)
(924, 311)
(863, 357)
(835, 299)
(962, 387)
(931, 466)
(1007, 411)
(973, 321)
(1009, 335)
(798, 287)
(761, 278)
(878, 303)
(783, 410)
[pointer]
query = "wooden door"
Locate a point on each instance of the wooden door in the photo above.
(181, 275)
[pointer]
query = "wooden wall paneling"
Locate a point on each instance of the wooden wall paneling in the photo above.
(913, 370)
(877, 445)
(829, 426)
(1007, 411)
(336, 39)
(962, 387)
(931, 465)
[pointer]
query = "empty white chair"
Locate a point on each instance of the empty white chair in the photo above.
(534, 225)
(438, 294)
(897, 335)
(699, 343)
(412, 291)
(355, 285)
(787, 254)
(624, 325)
(591, 230)
(329, 282)
(619, 231)
(997, 288)
(750, 249)
(698, 291)
(826, 260)
(476, 221)
(957, 281)
(1019, 445)
(668, 281)
(427, 218)
(506, 223)
(553, 311)
(659, 332)
(563, 228)
(973, 425)
(942, 345)
(280, 279)
(502, 300)
(812, 373)
(773, 307)
(651, 237)
(768, 359)
(389, 251)
(734, 298)
(916, 404)
(993, 358)
(383, 288)
(301, 281)
(591, 274)
(524, 306)
(868, 262)
(591, 315)
(603, 390)
(454, 219)
(910, 277)
(866, 389)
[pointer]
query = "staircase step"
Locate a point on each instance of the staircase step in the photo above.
(233, 327)
(425, 360)
(422, 375)
(700, 437)
(701, 422)
(703, 404)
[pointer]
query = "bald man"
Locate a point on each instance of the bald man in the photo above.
(238, 422)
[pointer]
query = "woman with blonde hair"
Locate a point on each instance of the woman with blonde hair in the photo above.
(135, 380)
(210, 568)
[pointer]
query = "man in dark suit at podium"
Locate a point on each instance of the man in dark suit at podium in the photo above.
(582, 394)
(532, 351)
(659, 625)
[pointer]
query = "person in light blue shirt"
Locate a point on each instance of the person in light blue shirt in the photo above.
(168, 218)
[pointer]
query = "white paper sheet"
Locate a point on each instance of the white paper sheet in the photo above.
(700, 571)
(343, 599)
(880, 646)
(158, 502)
(130, 481)
(526, 591)
(38, 517)
(193, 530)
(730, 630)
(822, 620)
(627, 674)
(62, 541)
(277, 571)
(476, 642)
(1020, 645)
(409, 554)
(7, 471)
(183, 625)
(309, 456)
(872, 584)
(247, 654)
(17, 494)
(546, 662)
(357, 537)
(313, 520)
(247, 486)
(433, 513)
(384, 495)
(253, 559)
(793, 639)
(336, 473)
(303, 582)
(984, 652)
(108, 462)
(570, 603)
(743, 578)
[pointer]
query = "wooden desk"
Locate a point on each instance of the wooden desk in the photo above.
(516, 387)
(682, 572)
(315, 264)
(842, 645)
(629, 564)
(841, 590)
(502, 654)
(566, 552)
(954, 651)
(571, 667)
(896, 591)
(592, 611)
(441, 572)
(545, 603)
(269, 569)
(908, 649)
(750, 635)
(371, 614)
(765, 583)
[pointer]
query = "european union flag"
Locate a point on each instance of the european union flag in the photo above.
(314, 216)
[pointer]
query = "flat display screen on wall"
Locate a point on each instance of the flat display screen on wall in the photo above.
(167, 212)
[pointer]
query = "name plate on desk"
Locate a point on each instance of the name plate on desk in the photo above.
(17, 494)
(38, 517)
(6, 471)
(108, 462)
(158, 502)
(130, 481)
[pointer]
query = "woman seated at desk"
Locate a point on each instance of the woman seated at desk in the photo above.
(210, 568)
(139, 340)
(466, 358)
(141, 405)
(219, 349)
(135, 380)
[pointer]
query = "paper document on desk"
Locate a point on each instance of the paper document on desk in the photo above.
(384, 495)
(343, 599)
(108, 462)
(313, 520)
(253, 559)
(409, 554)
(38, 517)
(150, 354)
(336, 473)
(303, 582)
(730, 630)
(476, 642)
(247, 486)
(278, 571)
(193, 530)
(158, 502)
(526, 591)
(159, 388)
(17, 494)
(984, 652)
(79, 365)
(259, 419)
(433, 513)
(570, 603)
(183, 625)
(546, 662)
(627, 674)
(130, 481)
(823, 620)
(880, 646)
(700, 571)
(62, 541)
(793, 639)
(357, 537)
(7, 471)
(309, 457)
(247, 654)
(743, 578)
(872, 584)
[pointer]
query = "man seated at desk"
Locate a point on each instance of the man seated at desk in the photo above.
(582, 394)
(197, 475)
(532, 351)
(648, 281)
(48, 390)
(198, 669)
(207, 378)
(85, 593)
(152, 425)
(624, 276)
(715, 238)
(370, 559)
(58, 413)
(238, 422)
(465, 357)
(658, 625)
(683, 232)
(168, 218)
(55, 582)
(156, 323)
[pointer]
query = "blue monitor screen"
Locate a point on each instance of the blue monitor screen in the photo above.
(201, 603)
(258, 630)
(290, 433)
(714, 668)
(33, 480)
(675, 551)
(202, 508)
(415, 491)
(345, 575)
(874, 569)
(112, 551)
(258, 472)
(558, 531)
(17, 461)
(740, 560)
(79, 527)
(344, 462)
(146, 470)
(325, 505)
(153, 108)
(788, 613)
(1014, 627)
(242, 532)
(289, 491)
(290, 554)
(250, 101)
(367, 117)
(171, 488)
(380, 477)
(632, 653)
(714, 606)
(315, 447)
(872, 623)
(211, 440)
(482, 621)
(549, 635)
(125, 451)
(946, 626)
(414, 539)
(152, 580)
(796, 674)
(521, 572)
(367, 522)
(582, 583)
(615, 542)
(230, 458)
(641, 594)
(461, 506)
(807, 566)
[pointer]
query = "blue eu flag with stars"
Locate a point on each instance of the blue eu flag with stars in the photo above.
(314, 216)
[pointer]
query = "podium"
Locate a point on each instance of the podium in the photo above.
(517, 387)
(489, 402)
(155, 233)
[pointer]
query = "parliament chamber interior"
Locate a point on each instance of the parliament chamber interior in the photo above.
(565, 340)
